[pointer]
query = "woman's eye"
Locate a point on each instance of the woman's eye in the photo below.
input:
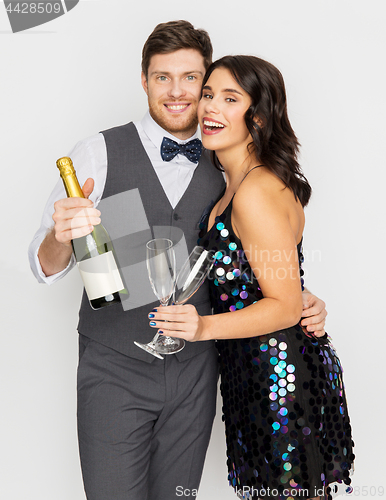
(206, 96)
(230, 99)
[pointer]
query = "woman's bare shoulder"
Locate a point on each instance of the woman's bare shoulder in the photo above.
(263, 196)
(259, 188)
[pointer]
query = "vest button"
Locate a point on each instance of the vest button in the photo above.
(176, 216)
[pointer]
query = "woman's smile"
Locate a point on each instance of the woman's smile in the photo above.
(211, 126)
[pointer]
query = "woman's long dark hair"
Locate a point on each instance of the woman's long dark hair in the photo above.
(274, 140)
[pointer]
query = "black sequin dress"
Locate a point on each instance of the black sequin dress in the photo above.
(284, 406)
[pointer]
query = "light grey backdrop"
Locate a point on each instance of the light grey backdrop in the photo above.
(80, 74)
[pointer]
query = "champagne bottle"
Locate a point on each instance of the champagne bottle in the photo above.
(94, 252)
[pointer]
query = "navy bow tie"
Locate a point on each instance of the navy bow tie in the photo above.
(192, 149)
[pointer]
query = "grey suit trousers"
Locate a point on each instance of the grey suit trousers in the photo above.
(143, 428)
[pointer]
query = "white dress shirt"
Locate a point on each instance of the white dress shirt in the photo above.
(90, 160)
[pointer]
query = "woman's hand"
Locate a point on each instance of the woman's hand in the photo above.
(181, 321)
(314, 312)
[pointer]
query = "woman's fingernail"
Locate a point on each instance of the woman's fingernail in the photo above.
(160, 332)
(151, 315)
(154, 310)
(152, 323)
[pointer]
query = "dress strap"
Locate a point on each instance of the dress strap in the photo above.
(257, 166)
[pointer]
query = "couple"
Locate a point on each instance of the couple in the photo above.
(144, 424)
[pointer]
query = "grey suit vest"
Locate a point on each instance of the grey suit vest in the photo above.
(134, 210)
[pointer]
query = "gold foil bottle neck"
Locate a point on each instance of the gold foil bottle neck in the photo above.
(68, 175)
(65, 166)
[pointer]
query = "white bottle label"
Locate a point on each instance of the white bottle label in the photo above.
(100, 276)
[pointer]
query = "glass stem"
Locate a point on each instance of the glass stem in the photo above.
(156, 336)
(154, 340)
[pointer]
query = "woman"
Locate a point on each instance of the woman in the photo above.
(287, 428)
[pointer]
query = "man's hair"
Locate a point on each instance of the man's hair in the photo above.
(175, 35)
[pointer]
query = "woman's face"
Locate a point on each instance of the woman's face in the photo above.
(221, 113)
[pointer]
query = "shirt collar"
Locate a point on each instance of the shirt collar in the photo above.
(156, 133)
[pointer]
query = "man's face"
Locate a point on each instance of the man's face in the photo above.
(173, 87)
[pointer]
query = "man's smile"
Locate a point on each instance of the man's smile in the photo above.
(177, 108)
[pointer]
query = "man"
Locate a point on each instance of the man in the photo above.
(143, 424)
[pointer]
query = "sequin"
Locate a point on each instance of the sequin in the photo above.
(281, 430)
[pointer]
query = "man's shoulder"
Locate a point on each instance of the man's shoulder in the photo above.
(91, 146)
(120, 129)
(123, 136)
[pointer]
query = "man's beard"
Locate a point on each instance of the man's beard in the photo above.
(176, 123)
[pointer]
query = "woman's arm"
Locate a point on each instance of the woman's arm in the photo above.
(264, 218)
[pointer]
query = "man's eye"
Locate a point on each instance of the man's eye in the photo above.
(191, 78)
(162, 78)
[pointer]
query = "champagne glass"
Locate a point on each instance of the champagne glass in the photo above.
(161, 267)
(192, 274)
